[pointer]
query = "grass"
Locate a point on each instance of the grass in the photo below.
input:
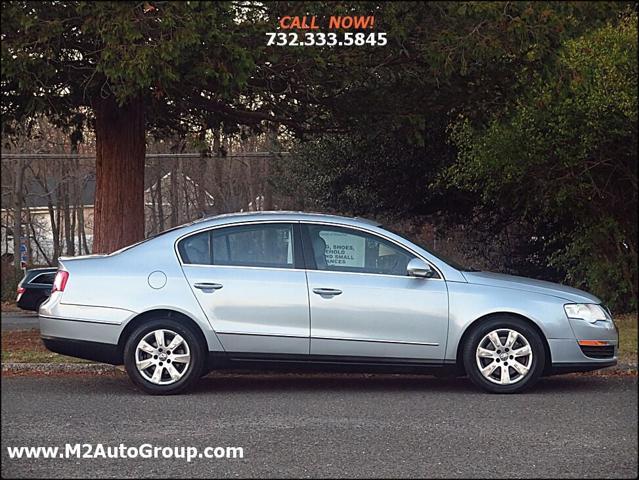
(627, 325)
(10, 307)
(25, 346)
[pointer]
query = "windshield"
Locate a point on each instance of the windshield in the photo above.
(444, 258)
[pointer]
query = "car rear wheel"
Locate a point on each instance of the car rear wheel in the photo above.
(164, 357)
(504, 355)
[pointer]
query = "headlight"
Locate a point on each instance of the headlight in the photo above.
(589, 312)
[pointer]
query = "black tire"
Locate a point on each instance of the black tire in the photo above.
(193, 370)
(504, 322)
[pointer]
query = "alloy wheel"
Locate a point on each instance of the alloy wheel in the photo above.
(162, 357)
(504, 356)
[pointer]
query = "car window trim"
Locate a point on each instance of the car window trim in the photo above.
(298, 263)
(310, 260)
(304, 266)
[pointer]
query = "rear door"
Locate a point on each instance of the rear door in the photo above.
(250, 282)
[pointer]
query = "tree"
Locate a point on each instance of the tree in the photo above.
(390, 113)
(134, 67)
(390, 162)
(564, 160)
(120, 62)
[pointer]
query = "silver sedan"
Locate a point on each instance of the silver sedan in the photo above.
(298, 290)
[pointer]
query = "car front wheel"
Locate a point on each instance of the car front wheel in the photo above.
(164, 357)
(504, 355)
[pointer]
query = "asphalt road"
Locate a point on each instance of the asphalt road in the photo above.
(19, 321)
(330, 426)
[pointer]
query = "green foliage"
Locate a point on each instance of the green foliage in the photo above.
(381, 172)
(59, 56)
(566, 155)
(202, 64)
(539, 100)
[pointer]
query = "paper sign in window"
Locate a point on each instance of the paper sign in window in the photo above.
(343, 249)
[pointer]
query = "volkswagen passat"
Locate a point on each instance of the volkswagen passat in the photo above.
(296, 290)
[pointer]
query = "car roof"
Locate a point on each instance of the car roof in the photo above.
(36, 271)
(229, 218)
(32, 273)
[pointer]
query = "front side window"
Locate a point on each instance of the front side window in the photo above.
(345, 250)
(264, 245)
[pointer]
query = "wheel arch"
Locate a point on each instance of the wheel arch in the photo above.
(479, 321)
(159, 313)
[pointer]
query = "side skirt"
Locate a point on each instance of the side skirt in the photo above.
(328, 363)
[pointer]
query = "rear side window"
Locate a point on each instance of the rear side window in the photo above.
(263, 245)
(196, 249)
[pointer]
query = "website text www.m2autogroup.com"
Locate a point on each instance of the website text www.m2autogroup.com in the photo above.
(121, 451)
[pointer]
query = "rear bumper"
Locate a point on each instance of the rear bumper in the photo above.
(73, 329)
(98, 352)
(91, 333)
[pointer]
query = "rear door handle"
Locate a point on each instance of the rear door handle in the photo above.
(208, 286)
(329, 292)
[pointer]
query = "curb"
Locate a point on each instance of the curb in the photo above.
(103, 368)
(619, 369)
(53, 368)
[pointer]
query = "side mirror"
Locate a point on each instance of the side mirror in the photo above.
(419, 268)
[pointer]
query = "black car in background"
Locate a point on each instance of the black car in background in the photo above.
(35, 287)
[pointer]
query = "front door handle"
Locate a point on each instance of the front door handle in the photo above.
(208, 286)
(328, 292)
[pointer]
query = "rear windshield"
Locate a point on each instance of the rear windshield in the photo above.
(44, 278)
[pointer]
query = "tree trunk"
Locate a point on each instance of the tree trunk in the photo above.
(174, 193)
(55, 228)
(79, 207)
(160, 200)
(35, 239)
(217, 173)
(274, 149)
(119, 194)
(58, 221)
(200, 179)
(18, 200)
(66, 207)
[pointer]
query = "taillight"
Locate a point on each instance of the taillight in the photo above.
(60, 281)
(20, 290)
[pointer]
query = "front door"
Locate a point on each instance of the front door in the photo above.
(363, 303)
(246, 278)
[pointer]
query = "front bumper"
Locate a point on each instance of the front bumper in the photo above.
(595, 346)
(559, 368)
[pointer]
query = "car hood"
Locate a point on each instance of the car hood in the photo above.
(530, 285)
